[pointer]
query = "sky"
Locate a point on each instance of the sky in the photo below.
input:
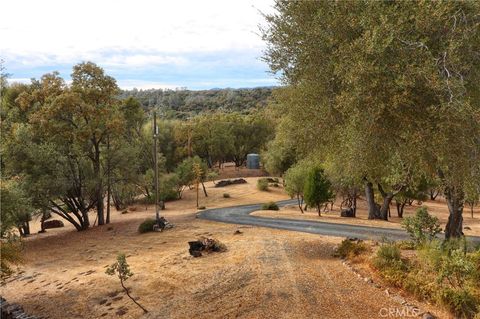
(145, 44)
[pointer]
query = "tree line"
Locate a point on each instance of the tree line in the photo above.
(72, 149)
(384, 94)
(183, 103)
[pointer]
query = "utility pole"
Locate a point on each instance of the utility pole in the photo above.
(155, 155)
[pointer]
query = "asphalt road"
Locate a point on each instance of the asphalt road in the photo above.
(241, 215)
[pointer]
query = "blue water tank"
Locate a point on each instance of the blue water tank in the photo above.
(253, 161)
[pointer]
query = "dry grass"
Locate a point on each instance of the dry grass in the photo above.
(264, 273)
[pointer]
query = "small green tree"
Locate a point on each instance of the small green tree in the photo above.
(295, 179)
(422, 226)
(122, 270)
(317, 189)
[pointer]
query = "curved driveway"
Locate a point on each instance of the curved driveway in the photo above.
(241, 215)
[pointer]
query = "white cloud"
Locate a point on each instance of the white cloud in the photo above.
(142, 32)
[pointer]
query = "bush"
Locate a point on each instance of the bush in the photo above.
(276, 185)
(146, 225)
(447, 275)
(270, 206)
(349, 248)
(262, 184)
(226, 195)
(422, 226)
(406, 245)
(12, 254)
(390, 264)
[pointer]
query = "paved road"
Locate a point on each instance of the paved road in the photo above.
(241, 215)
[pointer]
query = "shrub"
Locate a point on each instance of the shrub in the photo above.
(422, 226)
(349, 248)
(12, 254)
(226, 195)
(146, 225)
(276, 185)
(390, 264)
(460, 302)
(270, 206)
(406, 244)
(262, 184)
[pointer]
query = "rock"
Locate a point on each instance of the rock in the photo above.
(368, 280)
(54, 223)
(428, 315)
(349, 212)
(467, 228)
(228, 182)
(237, 232)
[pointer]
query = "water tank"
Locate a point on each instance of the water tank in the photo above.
(253, 161)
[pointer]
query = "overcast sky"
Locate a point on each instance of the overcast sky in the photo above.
(144, 44)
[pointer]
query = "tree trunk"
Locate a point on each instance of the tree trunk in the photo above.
(99, 189)
(354, 206)
(204, 190)
(455, 200)
(373, 211)
(108, 181)
(299, 203)
(386, 206)
(128, 294)
(400, 208)
(26, 228)
(433, 194)
(108, 203)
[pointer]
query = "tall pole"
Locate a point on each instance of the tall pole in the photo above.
(155, 155)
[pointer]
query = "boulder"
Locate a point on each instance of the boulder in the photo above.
(227, 182)
(54, 223)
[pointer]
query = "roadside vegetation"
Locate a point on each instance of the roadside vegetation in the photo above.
(444, 273)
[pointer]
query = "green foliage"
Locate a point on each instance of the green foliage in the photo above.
(120, 268)
(317, 189)
(270, 206)
(11, 249)
(390, 264)
(182, 104)
(296, 177)
(422, 226)
(147, 225)
(16, 206)
(445, 274)
(349, 248)
(168, 187)
(380, 89)
(262, 184)
(185, 172)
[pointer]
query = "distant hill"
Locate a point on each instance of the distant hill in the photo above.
(183, 103)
